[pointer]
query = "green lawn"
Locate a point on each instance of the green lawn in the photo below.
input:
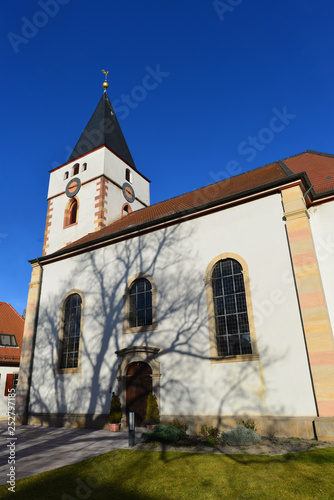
(148, 475)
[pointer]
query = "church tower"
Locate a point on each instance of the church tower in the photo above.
(98, 185)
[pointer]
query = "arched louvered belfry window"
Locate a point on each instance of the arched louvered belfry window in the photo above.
(73, 211)
(75, 169)
(128, 175)
(140, 303)
(126, 209)
(230, 309)
(71, 332)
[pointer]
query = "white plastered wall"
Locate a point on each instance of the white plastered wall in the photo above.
(321, 220)
(177, 258)
(115, 170)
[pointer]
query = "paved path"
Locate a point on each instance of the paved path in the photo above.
(39, 449)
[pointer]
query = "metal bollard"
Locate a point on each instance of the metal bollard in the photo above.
(132, 429)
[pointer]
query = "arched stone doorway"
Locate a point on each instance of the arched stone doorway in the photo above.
(139, 356)
(138, 387)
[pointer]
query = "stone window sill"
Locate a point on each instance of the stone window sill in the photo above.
(59, 371)
(139, 329)
(234, 359)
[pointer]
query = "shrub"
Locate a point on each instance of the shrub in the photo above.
(165, 434)
(240, 436)
(211, 441)
(249, 424)
(152, 410)
(208, 431)
(179, 424)
(115, 414)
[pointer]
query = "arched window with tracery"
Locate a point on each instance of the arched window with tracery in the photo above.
(140, 304)
(70, 332)
(230, 309)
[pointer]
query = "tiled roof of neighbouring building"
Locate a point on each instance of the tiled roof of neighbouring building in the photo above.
(13, 324)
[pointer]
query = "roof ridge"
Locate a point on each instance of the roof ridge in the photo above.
(211, 184)
(319, 153)
(312, 151)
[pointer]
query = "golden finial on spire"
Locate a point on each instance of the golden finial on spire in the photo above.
(105, 83)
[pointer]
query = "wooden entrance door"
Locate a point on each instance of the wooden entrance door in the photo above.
(138, 387)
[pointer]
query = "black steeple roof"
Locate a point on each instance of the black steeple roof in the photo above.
(103, 130)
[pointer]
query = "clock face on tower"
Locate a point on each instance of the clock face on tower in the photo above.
(73, 187)
(128, 192)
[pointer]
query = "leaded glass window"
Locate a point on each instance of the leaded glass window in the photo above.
(140, 310)
(231, 318)
(71, 334)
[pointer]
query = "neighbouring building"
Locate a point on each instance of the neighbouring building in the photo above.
(11, 335)
(220, 301)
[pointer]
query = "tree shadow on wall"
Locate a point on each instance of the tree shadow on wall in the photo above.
(182, 334)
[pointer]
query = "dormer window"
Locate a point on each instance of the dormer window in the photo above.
(128, 175)
(8, 340)
(75, 169)
(65, 176)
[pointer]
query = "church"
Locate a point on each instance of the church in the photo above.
(219, 301)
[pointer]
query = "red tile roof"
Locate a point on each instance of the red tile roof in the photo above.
(318, 166)
(11, 322)
(211, 193)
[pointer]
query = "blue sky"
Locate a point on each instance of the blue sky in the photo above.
(239, 84)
